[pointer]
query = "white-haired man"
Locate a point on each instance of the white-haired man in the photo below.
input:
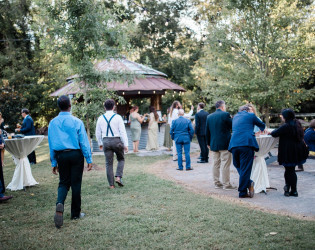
(182, 133)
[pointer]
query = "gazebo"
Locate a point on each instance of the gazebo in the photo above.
(148, 83)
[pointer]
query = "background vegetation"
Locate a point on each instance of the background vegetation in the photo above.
(237, 50)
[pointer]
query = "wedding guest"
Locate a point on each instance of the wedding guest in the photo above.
(28, 129)
(135, 127)
(167, 137)
(112, 139)
(252, 109)
(1, 129)
(173, 116)
(153, 140)
(200, 130)
(68, 145)
(182, 133)
(309, 137)
(242, 146)
(2, 187)
(291, 150)
(2, 144)
(218, 135)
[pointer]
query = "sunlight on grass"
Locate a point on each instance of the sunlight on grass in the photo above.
(147, 213)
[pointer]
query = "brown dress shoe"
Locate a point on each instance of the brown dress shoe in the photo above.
(245, 196)
(5, 198)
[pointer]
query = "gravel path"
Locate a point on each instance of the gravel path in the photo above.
(200, 180)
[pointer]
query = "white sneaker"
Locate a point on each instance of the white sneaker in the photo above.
(218, 186)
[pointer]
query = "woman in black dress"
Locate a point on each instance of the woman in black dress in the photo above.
(291, 151)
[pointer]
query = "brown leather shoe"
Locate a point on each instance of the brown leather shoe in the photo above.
(251, 190)
(245, 196)
(5, 198)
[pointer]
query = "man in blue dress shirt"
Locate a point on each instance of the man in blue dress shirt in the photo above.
(28, 129)
(182, 133)
(242, 145)
(68, 145)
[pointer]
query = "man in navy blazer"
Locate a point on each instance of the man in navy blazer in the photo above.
(200, 130)
(242, 145)
(218, 135)
(182, 133)
(28, 129)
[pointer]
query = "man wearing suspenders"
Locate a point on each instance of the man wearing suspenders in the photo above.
(112, 138)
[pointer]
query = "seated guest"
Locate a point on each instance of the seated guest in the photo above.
(182, 133)
(242, 146)
(291, 150)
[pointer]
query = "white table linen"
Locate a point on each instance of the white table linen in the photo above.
(259, 171)
(19, 149)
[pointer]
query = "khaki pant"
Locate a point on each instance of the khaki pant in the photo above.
(221, 159)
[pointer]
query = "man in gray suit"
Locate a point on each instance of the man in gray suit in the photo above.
(218, 135)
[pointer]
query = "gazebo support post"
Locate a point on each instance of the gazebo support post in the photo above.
(156, 101)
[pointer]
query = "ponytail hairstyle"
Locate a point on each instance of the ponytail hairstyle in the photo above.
(156, 115)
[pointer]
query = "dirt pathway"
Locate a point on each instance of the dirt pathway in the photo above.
(200, 181)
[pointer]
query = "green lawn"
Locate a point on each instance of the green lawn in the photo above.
(147, 213)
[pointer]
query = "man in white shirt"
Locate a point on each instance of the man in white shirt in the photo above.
(112, 138)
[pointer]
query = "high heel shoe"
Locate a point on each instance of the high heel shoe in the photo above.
(286, 190)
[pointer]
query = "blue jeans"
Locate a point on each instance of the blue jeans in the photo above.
(179, 148)
(243, 158)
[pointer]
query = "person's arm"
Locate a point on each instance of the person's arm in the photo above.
(26, 126)
(228, 121)
(188, 115)
(172, 130)
(123, 133)
(208, 133)
(51, 150)
(191, 130)
(84, 143)
(259, 123)
(98, 133)
(140, 119)
(280, 131)
(197, 124)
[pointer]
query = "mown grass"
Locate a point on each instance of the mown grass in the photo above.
(147, 213)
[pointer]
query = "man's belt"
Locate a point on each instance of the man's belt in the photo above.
(65, 150)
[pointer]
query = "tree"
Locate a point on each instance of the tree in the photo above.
(259, 52)
(87, 31)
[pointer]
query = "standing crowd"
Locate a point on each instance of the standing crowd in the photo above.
(228, 140)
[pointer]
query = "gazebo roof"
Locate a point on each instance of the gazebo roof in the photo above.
(149, 79)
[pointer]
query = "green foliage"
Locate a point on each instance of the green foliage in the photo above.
(87, 31)
(268, 31)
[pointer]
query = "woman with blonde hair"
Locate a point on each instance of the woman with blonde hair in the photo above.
(167, 137)
(252, 109)
(153, 140)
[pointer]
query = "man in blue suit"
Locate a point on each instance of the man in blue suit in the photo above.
(28, 129)
(242, 145)
(182, 133)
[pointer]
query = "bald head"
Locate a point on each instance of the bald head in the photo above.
(181, 112)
